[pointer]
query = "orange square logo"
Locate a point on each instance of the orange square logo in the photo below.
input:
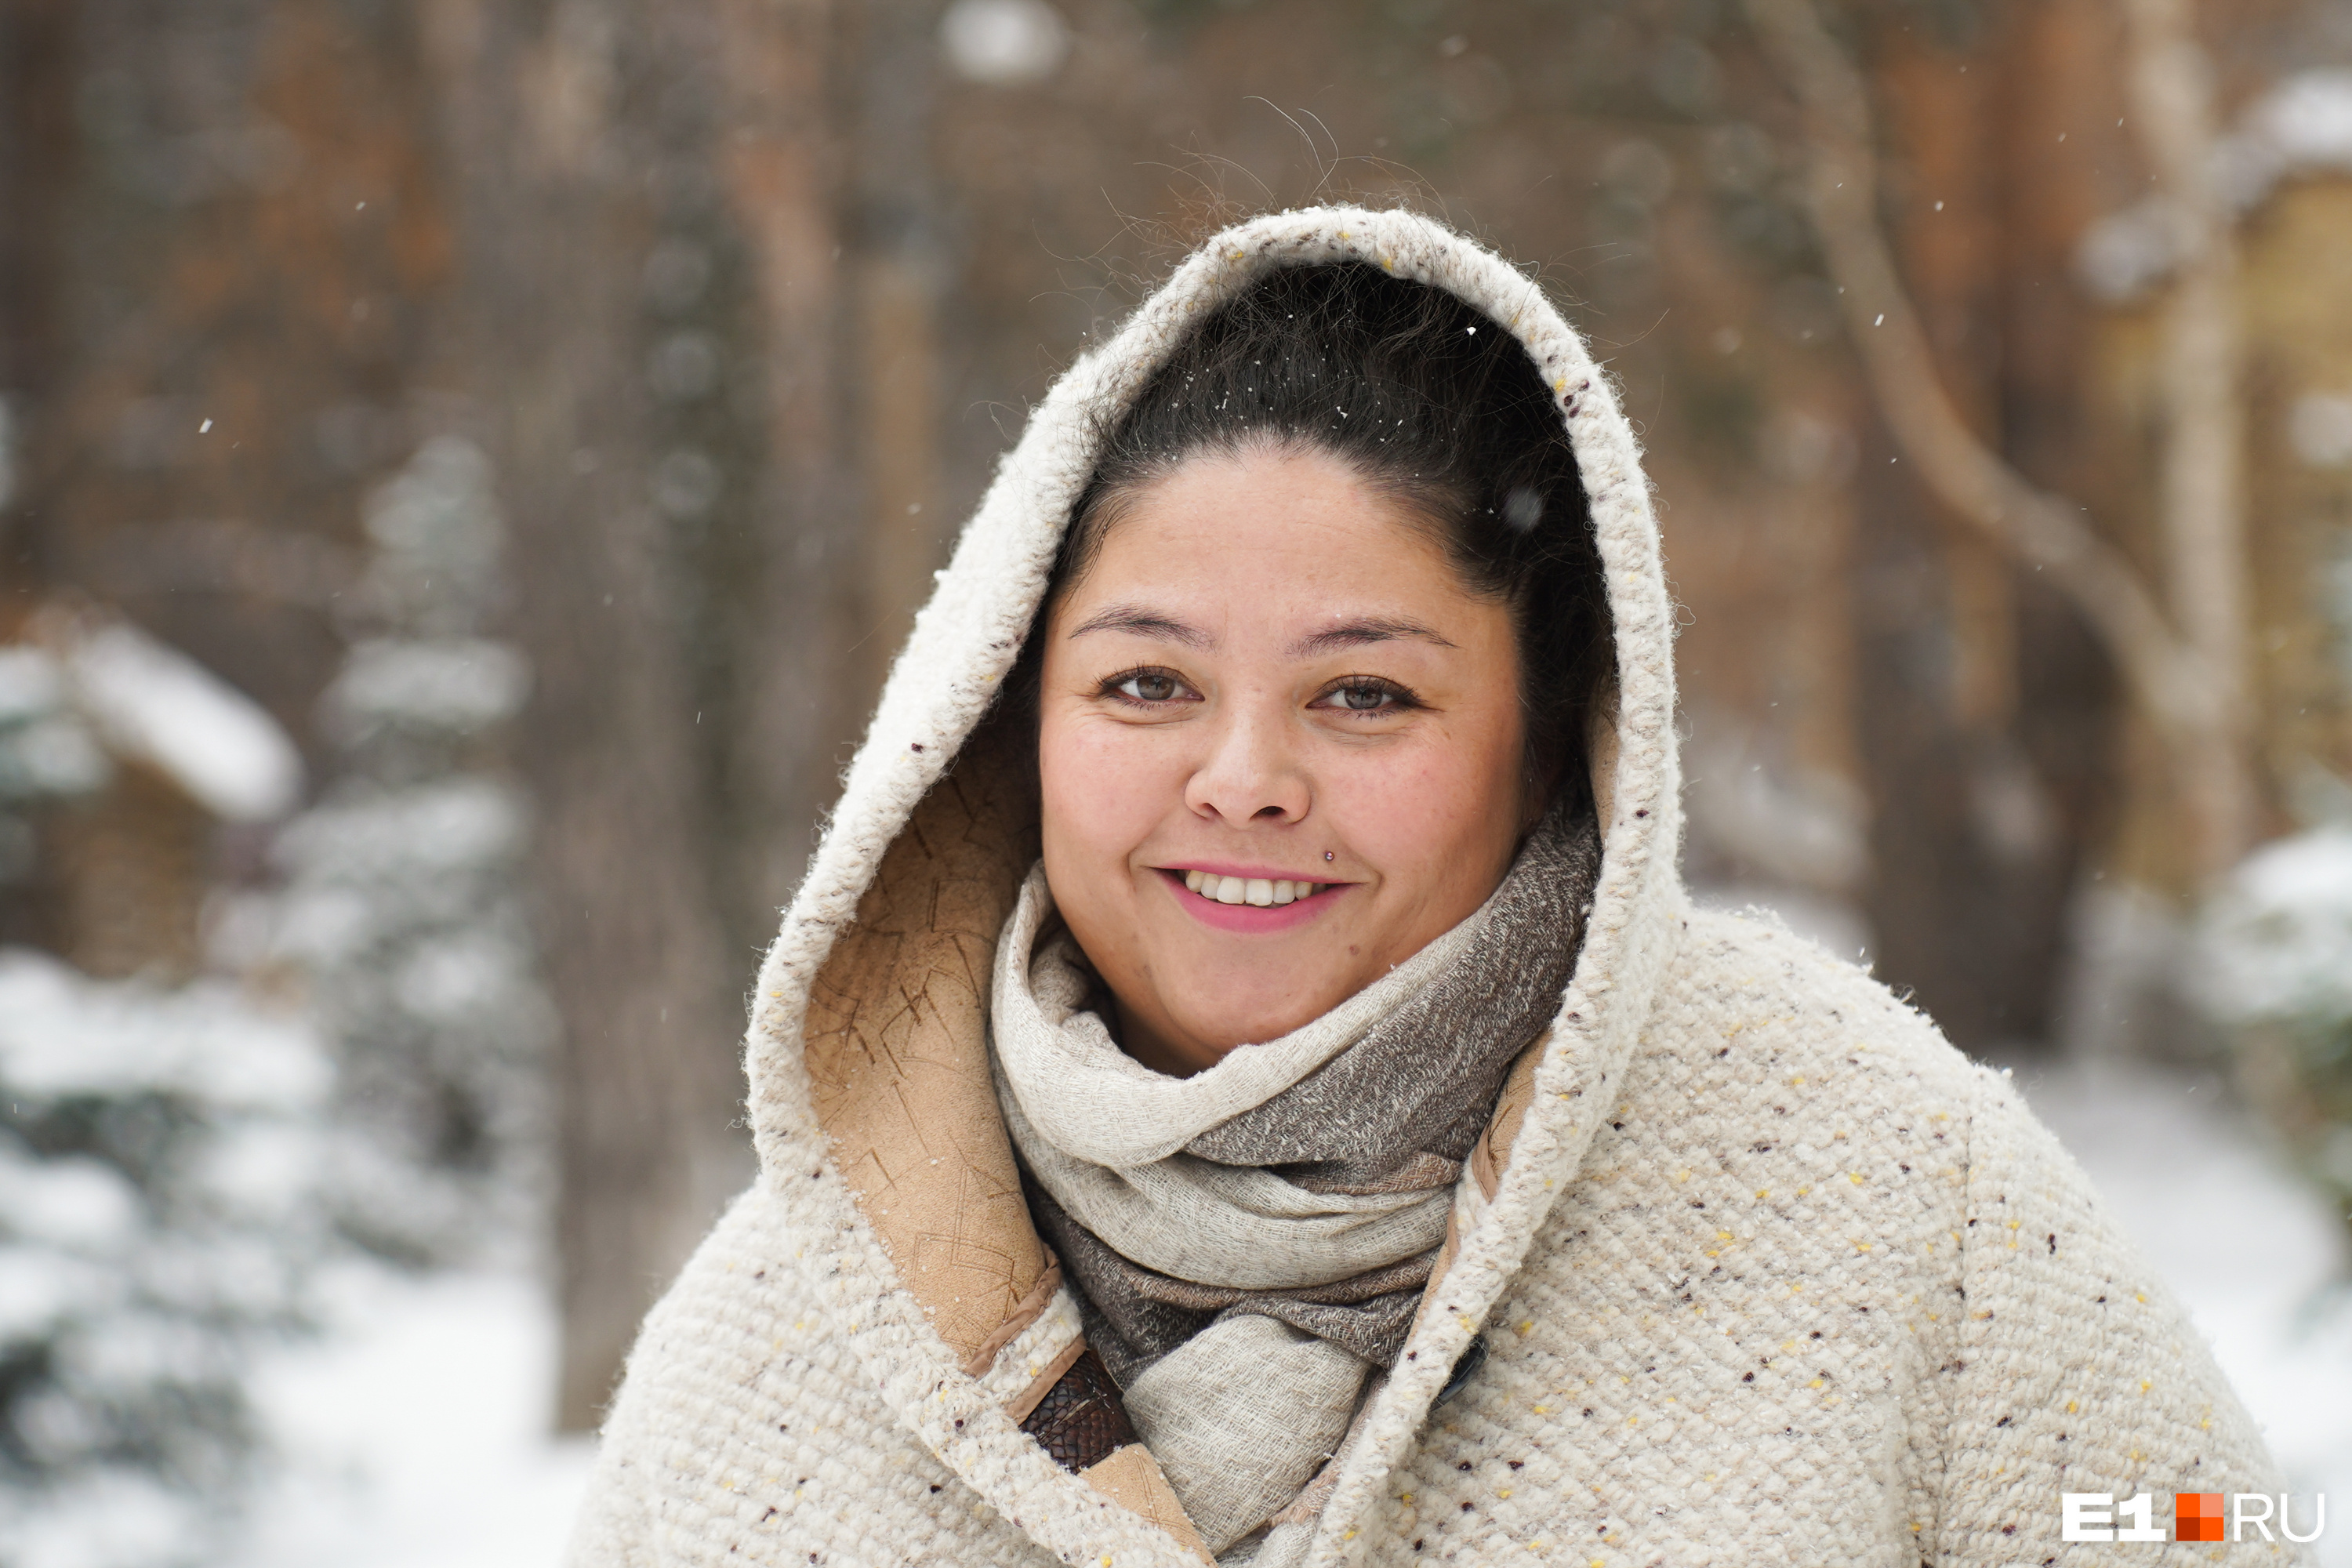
(2197, 1516)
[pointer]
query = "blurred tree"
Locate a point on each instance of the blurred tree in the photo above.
(722, 548)
(1981, 821)
(401, 908)
(588, 226)
(37, 58)
(2202, 491)
(895, 232)
(246, 253)
(157, 1228)
(2186, 673)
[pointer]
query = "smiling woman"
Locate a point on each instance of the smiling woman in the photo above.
(1327, 617)
(1242, 1078)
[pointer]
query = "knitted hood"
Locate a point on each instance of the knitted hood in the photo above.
(867, 1050)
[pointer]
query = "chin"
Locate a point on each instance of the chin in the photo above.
(1254, 1027)
(1260, 995)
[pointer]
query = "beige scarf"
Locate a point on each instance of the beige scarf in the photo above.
(1250, 1242)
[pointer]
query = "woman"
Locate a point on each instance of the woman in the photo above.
(1242, 1078)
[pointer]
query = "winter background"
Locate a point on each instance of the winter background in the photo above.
(278, 1255)
(271, 1269)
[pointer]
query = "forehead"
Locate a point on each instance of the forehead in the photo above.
(1266, 527)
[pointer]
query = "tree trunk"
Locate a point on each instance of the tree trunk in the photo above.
(559, 229)
(800, 609)
(2185, 696)
(1967, 897)
(900, 276)
(660, 238)
(38, 68)
(2201, 482)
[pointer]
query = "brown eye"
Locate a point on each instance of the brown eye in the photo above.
(1151, 686)
(1365, 694)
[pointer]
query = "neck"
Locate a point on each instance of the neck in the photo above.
(1173, 1059)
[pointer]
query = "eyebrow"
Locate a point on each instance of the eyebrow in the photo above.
(1356, 634)
(1142, 623)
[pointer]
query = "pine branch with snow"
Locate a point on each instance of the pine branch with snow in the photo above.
(157, 1221)
(402, 907)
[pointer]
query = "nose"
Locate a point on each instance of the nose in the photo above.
(1249, 774)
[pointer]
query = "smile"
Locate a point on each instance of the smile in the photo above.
(1250, 906)
(1262, 892)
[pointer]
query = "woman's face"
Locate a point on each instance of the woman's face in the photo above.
(1281, 750)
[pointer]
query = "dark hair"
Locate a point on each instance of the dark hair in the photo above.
(1427, 399)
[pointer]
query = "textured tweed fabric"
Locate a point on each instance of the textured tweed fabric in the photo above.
(1767, 1272)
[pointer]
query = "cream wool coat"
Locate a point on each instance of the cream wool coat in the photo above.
(1768, 1272)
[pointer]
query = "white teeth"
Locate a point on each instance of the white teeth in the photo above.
(1262, 892)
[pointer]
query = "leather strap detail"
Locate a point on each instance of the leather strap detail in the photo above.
(1042, 1384)
(1081, 1421)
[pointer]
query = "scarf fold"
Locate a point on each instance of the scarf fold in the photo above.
(1249, 1243)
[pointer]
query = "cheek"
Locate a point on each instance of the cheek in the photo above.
(1101, 787)
(1450, 807)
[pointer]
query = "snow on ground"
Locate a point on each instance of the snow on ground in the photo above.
(2256, 1254)
(416, 1435)
(413, 1432)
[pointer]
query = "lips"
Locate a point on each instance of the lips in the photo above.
(1200, 891)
